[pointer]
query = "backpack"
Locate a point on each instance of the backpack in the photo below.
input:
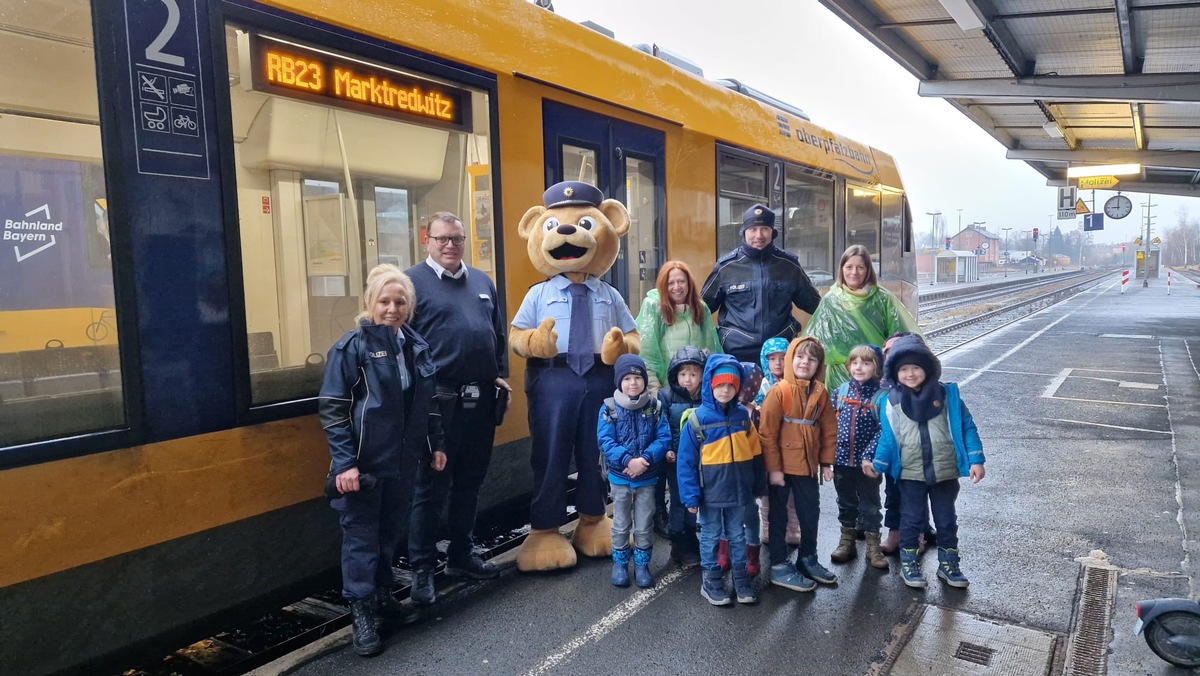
(689, 420)
(610, 417)
(876, 401)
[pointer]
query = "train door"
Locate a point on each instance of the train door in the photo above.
(626, 161)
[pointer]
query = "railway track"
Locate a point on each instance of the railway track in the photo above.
(945, 337)
(941, 302)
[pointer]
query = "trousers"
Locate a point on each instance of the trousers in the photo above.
(372, 523)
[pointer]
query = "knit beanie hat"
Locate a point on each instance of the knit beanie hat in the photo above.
(759, 215)
(628, 364)
(727, 374)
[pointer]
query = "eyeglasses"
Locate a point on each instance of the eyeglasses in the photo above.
(443, 241)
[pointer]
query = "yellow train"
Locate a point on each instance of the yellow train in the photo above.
(192, 191)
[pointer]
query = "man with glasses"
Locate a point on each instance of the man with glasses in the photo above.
(459, 315)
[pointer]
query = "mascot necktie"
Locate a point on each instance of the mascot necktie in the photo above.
(580, 352)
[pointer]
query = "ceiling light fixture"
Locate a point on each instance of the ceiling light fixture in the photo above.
(1052, 129)
(964, 13)
(1104, 170)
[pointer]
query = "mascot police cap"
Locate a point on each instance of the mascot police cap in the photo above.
(572, 193)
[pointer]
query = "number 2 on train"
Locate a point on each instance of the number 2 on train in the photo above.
(154, 49)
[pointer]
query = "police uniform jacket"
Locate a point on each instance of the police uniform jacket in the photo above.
(371, 422)
(754, 290)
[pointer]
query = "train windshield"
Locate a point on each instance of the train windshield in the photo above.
(340, 160)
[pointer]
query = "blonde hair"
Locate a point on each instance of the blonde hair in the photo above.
(865, 353)
(378, 278)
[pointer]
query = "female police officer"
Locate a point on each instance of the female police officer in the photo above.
(377, 408)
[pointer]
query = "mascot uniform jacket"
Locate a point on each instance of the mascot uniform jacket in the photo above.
(573, 240)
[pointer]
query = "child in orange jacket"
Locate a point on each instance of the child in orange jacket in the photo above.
(798, 431)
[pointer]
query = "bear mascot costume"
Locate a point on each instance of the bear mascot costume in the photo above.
(570, 329)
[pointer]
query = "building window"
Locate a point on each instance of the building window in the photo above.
(60, 372)
(329, 187)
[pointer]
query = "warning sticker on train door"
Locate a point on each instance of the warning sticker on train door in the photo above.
(167, 88)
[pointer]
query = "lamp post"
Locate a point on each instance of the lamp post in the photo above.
(1006, 259)
(1146, 243)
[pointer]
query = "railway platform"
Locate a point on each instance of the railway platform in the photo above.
(1088, 415)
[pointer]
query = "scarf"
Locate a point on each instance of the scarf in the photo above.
(632, 404)
(922, 405)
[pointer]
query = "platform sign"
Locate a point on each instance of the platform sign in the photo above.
(1066, 202)
(1081, 208)
(167, 87)
(1098, 182)
(1093, 222)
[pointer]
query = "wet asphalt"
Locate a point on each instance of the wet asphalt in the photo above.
(1089, 418)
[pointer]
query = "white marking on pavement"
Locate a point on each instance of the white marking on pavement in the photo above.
(1138, 336)
(1061, 378)
(1114, 427)
(1137, 386)
(612, 620)
(1019, 346)
(1113, 403)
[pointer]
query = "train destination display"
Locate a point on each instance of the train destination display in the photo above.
(287, 69)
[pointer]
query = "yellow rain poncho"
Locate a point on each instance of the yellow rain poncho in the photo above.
(847, 318)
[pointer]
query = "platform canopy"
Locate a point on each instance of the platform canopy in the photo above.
(1059, 82)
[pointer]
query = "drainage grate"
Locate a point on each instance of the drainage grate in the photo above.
(974, 653)
(1087, 652)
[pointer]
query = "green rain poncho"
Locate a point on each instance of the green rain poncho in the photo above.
(846, 318)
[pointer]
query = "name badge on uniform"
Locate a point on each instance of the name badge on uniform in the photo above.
(734, 288)
(379, 355)
(484, 297)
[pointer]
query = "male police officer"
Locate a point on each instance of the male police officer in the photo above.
(459, 315)
(755, 286)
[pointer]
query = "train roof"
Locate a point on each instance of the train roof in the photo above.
(518, 38)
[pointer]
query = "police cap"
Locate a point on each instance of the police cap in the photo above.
(758, 215)
(571, 194)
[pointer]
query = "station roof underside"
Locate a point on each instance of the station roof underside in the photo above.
(1059, 82)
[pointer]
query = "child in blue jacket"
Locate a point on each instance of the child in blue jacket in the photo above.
(721, 469)
(927, 441)
(634, 436)
(682, 392)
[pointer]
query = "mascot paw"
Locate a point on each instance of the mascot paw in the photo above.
(593, 536)
(543, 342)
(613, 346)
(545, 550)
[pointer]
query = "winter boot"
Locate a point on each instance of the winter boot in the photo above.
(713, 588)
(620, 574)
(764, 515)
(366, 639)
(641, 567)
(892, 544)
(660, 523)
(685, 549)
(910, 569)
(422, 591)
(793, 525)
(785, 575)
(723, 555)
(810, 567)
(845, 549)
(948, 569)
(753, 560)
(743, 585)
(388, 608)
(875, 557)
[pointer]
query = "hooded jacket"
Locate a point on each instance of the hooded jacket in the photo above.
(804, 437)
(673, 398)
(370, 421)
(848, 318)
(724, 468)
(769, 348)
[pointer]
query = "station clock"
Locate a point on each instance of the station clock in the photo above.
(1118, 206)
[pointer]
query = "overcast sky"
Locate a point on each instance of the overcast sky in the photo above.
(798, 51)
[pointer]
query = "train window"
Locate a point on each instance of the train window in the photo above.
(808, 223)
(641, 244)
(60, 373)
(895, 239)
(338, 159)
(741, 183)
(863, 218)
(579, 164)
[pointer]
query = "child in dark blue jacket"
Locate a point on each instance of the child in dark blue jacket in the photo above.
(684, 375)
(927, 441)
(634, 437)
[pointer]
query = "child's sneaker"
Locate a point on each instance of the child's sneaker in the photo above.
(785, 575)
(910, 569)
(743, 585)
(948, 570)
(809, 566)
(713, 588)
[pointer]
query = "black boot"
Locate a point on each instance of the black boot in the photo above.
(392, 610)
(366, 636)
(422, 592)
(660, 523)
